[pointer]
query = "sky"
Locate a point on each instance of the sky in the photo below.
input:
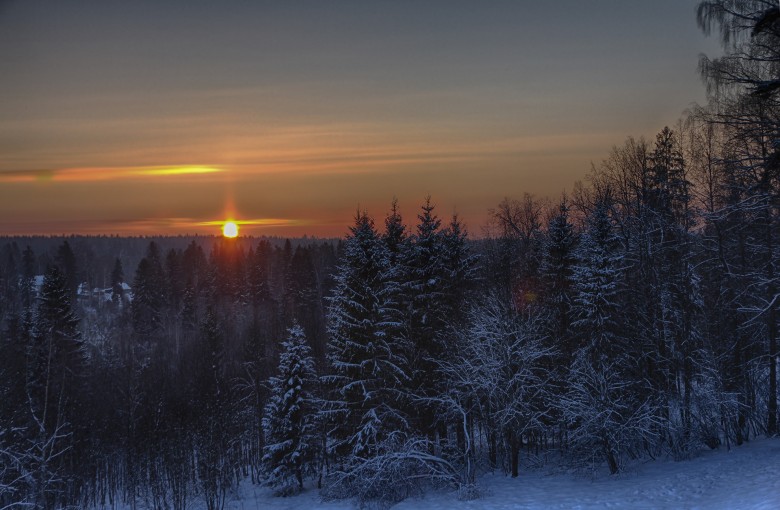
(167, 117)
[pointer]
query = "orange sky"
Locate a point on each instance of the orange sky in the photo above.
(166, 118)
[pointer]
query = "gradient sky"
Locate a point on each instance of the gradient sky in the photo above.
(163, 117)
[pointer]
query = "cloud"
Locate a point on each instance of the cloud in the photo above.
(260, 222)
(147, 226)
(90, 174)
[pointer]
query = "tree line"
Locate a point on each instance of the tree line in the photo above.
(105, 399)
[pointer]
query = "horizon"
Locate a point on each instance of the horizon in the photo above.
(285, 119)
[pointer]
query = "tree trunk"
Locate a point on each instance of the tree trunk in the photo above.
(771, 425)
(612, 461)
(461, 437)
(492, 453)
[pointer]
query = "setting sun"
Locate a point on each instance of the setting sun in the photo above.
(230, 229)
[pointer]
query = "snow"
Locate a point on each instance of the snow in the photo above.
(747, 477)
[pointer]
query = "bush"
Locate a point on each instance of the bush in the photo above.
(402, 467)
(470, 492)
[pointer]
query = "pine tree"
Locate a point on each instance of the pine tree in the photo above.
(289, 421)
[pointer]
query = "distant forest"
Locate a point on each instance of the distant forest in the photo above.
(636, 317)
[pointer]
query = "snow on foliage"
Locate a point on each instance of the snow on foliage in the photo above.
(289, 423)
(366, 351)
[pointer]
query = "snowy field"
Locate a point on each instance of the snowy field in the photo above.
(747, 477)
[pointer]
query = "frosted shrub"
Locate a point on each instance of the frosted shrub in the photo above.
(470, 492)
(402, 467)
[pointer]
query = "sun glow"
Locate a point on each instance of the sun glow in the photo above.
(230, 229)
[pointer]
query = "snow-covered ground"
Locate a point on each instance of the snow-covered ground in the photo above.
(747, 477)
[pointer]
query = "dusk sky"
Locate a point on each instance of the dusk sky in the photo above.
(164, 117)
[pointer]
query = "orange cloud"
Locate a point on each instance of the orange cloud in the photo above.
(195, 226)
(153, 226)
(89, 174)
(261, 222)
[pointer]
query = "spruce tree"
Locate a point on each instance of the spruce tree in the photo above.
(556, 272)
(149, 296)
(674, 285)
(395, 236)
(26, 282)
(603, 402)
(56, 371)
(289, 421)
(117, 279)
(56, 357)
(423, 282)
(257, 274)
(66, 260)
(460, 271)
(558, 259)
(303, 297)
(365, 351)
(217, 456)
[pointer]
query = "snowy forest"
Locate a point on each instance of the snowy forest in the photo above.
(634, 317)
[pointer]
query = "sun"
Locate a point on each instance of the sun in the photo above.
(230, 229)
